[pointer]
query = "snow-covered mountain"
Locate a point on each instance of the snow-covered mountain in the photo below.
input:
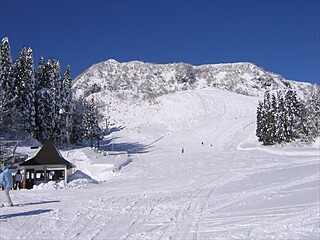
(224, 185)
(122, 88)
(149, 80)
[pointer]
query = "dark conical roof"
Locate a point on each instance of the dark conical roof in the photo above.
(48, 155)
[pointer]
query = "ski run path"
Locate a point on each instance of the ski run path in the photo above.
(231, 187)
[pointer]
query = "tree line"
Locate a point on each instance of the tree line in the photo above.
(40, 101)
(282, 117)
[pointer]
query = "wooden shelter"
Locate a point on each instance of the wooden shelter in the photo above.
(47, 165)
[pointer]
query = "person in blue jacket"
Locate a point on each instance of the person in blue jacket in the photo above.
(7, 182)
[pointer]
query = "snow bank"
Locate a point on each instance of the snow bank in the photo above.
(99, 167)
(74, 184)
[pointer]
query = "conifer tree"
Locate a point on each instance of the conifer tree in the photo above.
(78, 125)
(282, 123)
(312, 115)
(91, 126)
(273, 119)
(293, 110)
(8, 93)
(66, 91)
(58, 131)
(45, 119)
(41, 75)
(66, 104)
(268, 121)
(260, 121)
(45, 101)
(25, 83)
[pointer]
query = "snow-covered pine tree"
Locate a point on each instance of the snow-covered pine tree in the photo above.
(66, 103)
(25, 83)
(281, 128)
(260, 121)
(312, 115)
(39, 86)
(45, 111)
(32, 95)
(8, 110)
(45, 114)
(273, 119)
(41, 75)
(78, 125)
(58, 133)
(45, 101)
(3, 72)
(91, 126)
(1, 104)
(66, 89)
(268, 120)
(293, 109)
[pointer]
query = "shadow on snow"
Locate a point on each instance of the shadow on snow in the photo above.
(36, 203)
(131, 148)
(28, 213)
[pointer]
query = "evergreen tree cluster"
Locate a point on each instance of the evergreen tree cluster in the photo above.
(282, 117)
(38, 101)
(312, 106)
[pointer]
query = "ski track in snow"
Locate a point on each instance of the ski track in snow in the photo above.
(234, 189)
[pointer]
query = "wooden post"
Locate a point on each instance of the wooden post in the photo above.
(24, 179)
(66, 174)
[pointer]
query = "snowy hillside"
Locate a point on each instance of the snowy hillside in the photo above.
(118, 88)
(148, 80)
(225, 185)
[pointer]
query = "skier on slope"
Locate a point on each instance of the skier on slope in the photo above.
(7, 182)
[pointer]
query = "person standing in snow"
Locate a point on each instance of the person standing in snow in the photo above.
(7, 182)
(17, 180)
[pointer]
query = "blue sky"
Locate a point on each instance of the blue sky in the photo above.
(280, 36)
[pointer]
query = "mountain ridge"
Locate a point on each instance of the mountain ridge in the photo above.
(147, 81)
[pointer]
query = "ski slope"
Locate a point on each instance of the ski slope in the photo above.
(229, 187)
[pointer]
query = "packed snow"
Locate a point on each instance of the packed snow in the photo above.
(141, 185)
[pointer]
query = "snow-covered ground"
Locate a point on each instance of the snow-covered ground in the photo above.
(229, 187)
